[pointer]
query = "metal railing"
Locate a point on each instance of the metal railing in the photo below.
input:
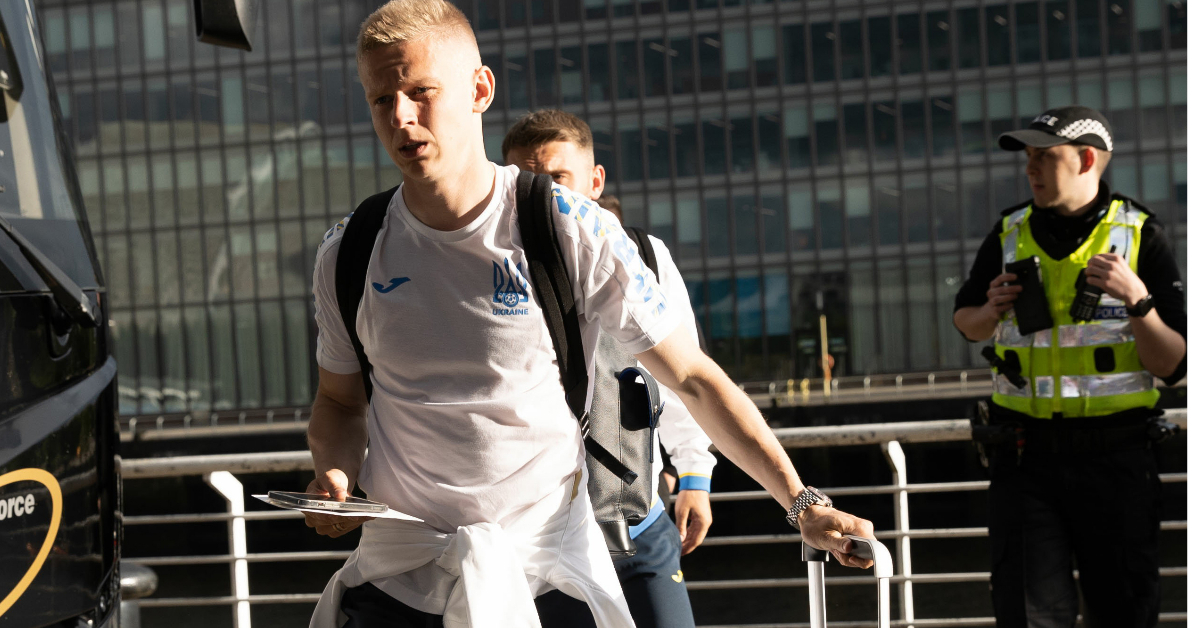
(219, 472)
(766, 394)
(870, 388)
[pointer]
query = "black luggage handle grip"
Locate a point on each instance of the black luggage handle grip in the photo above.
(862, 548)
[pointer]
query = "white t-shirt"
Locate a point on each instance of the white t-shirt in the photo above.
(682, 437)
(468, 422)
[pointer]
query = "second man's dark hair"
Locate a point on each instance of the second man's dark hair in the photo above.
(545, 126)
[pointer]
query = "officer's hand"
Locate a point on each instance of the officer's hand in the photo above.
(693, 516)
(1111, 273)
(332, 483)
(825, 528)
(1000, 296)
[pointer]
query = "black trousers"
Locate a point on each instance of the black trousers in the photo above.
(1052, 512)
(368, 607)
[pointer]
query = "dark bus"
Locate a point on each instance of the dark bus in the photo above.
(60, 527)
(60, 486)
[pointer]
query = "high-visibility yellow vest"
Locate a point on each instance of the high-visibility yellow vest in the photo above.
(1060, 363)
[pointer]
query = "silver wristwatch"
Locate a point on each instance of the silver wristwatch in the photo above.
(809, 497)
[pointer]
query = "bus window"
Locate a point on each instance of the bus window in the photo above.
(39, 194)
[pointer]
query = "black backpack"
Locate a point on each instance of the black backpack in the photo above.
(618, 428)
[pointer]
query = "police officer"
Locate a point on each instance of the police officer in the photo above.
(1076, 484)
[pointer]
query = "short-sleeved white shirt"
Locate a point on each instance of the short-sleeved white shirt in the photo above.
(468, 422)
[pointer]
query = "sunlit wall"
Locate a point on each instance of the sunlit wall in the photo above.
(798, 157)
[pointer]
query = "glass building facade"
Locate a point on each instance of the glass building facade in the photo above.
(799, 157)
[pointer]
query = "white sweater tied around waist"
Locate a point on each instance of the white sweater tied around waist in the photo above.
(497, 571)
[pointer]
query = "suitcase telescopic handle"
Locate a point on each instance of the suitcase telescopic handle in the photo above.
(863, 548)
(876, 551)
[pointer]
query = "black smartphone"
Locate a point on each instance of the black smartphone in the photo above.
(1031, 307)
(322, 502)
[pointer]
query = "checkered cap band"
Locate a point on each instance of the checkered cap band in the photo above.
(1079, 128)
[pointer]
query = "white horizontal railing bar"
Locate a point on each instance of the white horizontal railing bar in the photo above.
(214, 431)
(884, 489)
(925, 578)
(214, 559)
(916, 623)
(261, 462)
(261, 515)
(229, 600)
(875, 433)
(904, 432)
(767, 539)
(927, 487)
(949, 622)
(928, 533)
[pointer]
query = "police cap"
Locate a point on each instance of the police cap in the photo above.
(1064, 125)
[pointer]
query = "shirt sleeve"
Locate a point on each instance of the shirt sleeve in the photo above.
(334, 351)
(613, 286)
(988, 265)
(1158, 269)
(681, 436)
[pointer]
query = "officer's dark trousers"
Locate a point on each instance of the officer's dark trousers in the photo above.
(1055, 512)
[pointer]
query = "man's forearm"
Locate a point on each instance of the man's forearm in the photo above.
(1159, 347)
(337, 437)
(975, 323)
(737, 428)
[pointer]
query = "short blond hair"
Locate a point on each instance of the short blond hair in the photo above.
(399, 21)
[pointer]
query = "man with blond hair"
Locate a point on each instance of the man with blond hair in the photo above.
(559, 144)
(468, 425)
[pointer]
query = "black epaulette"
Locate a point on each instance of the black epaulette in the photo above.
(1021, 205)
(1136, 203)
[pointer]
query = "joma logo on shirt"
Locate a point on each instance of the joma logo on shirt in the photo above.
(509, 289)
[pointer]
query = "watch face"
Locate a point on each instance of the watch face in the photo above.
(823, 499)
(1143, 307)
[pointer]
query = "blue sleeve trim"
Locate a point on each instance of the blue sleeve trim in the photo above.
(689, 482)
(656, 511)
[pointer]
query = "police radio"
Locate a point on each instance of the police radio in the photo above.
(1087, 296)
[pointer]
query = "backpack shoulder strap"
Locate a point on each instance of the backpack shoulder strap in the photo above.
(548, 274)
(645, 247)
(350, 274)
